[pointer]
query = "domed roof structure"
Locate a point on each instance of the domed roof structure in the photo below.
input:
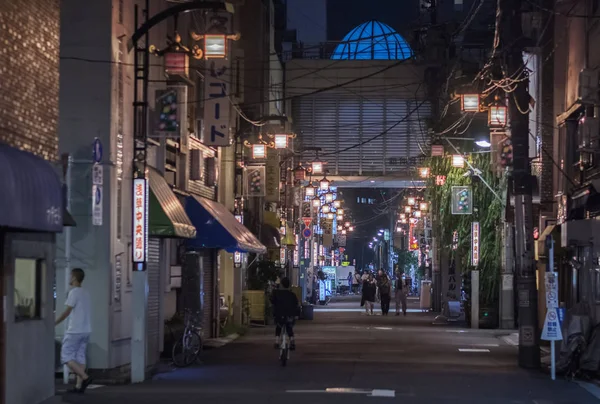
(373, 40)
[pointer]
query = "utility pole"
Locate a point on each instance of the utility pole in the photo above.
(512, 47)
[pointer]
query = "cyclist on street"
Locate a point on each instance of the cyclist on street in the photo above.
(285, 309)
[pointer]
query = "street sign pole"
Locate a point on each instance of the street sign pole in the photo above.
(552, 325)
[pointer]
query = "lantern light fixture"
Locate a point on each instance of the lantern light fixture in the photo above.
(316, 202)
(497, 116)
(347, 224)
(299, 173)
(469, 102)
(340, 217)
(340, 227)
(281, 141)
(402, 215)
(324, 184)
(329, 197)
(412, 201)
(407, 209)
(330, 215)
(398, 229)
(337, 204)
(458, 161)
(259, 151)
(326, 209)
(424, 172)
(309, 190)
(423, 206)
(351, 228)
(344, 232)
(317, 167)
(340, 211)
(215, 46)
(417, 213)
(403, 221)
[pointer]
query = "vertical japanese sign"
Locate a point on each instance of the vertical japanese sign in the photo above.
(97, 183)
(216, 103)
(475, 243)
(272, 176)
(140, 221)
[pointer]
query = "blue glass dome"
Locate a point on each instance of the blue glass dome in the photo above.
(373, 40)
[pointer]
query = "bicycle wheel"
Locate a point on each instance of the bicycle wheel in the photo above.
(186, 349)
(283, 356)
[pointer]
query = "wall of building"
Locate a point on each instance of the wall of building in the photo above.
(30, 355)
(29, 117)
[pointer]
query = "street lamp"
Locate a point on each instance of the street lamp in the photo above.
(259, 151)
(325, 209)
(407, 209)
(417, 213)
(329, 197)
(309, 190)
(337, 204)
(340, 211)
(469, 102)
(299, 173)
(412, 201)
(281, 141)
(340, 217)
(423, 206)
(424, 172)
(458, 161)
(330, 215)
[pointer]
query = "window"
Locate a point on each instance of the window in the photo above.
(28, 289)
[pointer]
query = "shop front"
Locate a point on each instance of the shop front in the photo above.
(216, 229)
(31, 212)
(167, 220)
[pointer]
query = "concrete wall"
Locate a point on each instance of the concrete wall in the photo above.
(30, 343)
(96, 96)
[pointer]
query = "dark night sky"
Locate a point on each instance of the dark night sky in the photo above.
(343, 15)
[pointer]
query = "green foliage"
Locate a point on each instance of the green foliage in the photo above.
(261, 273)
(406, 259)
(487, 210)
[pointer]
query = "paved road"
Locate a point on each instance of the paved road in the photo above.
(404, 357)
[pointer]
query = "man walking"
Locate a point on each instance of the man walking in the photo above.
(78, 330)
(401, 293)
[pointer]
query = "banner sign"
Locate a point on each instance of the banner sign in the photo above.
(140, 221)
(475, 243)
(216, 103)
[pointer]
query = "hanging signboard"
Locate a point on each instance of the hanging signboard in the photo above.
(255, 181)
(140, 222)
(97, 205)
(551, 283)
(216, 103)
(168, 112)
(462, 200)
(475, 243)
(272, 182)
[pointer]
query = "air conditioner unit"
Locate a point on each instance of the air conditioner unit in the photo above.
(587, 91)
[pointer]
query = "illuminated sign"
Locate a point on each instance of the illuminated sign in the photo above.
(140, 221)
(282, 258)
(475, 243)
(237, 258)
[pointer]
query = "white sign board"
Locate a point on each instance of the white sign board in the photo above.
(97, 205)
(140, 220)
(97, 174)
(552, 331)
(551, 282)
(217, 103)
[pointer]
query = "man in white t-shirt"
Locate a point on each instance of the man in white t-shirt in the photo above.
(78, 330)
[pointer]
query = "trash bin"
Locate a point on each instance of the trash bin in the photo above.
(307, 311)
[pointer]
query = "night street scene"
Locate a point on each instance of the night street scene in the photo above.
(299, 201)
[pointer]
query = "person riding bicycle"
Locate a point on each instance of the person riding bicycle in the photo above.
(285, 309)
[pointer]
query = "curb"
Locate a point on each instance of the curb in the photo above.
(220, 342)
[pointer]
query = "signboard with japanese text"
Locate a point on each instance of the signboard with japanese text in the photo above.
(216, 103)
(97, 198)
(551, 283)
(475, 237)
(552, 331)
(140, 220)
(272, 176)
(168, 112)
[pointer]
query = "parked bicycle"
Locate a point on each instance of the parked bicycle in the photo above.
(189, 346)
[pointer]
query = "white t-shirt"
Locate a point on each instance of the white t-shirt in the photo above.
(79, 319)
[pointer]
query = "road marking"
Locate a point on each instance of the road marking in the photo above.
(490, 345)
(383, 328)
(343, 390)
(357, 310)
(472, 350)
(591, 388)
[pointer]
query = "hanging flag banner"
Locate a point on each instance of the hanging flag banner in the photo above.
(272, 170)
(255, 181)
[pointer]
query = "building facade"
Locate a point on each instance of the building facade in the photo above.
(32, 208)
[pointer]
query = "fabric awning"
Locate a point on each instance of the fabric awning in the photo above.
(270, 236)
(32, 192)
(216, 227)
(167, 217)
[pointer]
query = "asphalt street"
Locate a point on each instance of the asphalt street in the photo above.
(347, 357)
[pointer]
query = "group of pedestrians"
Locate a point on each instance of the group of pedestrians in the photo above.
(380, 289)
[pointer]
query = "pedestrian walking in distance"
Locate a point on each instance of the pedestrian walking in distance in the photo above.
(356, 280)
(385, 289)
(369, 291)
(78, 330)
(401, 294)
